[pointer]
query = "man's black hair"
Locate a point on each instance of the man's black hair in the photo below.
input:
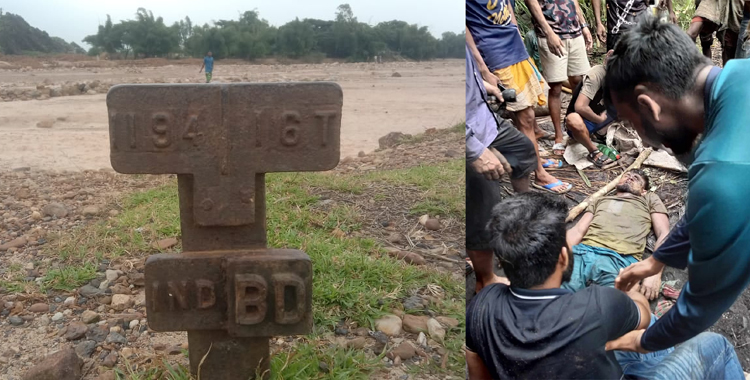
(527, 233)
(653, 52)
(646, 180)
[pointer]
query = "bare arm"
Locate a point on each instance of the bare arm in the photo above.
(652, 285)
(575, 235)
(483, 69)
(477, 369)
(584, 30)
(202, 66)
(601, 32)
(583, 108)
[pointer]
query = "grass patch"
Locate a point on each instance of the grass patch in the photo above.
(441, 185)
(69, 277)
(353, 279)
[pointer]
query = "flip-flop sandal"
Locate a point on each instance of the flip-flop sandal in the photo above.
(599, 160)
(552, 164)
(558, 146)
(670, 292)
(549, 187)
(663, 307)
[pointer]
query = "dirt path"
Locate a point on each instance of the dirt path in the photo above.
(426, 95)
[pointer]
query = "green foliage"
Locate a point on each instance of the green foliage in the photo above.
(250, 37)
(18, 37)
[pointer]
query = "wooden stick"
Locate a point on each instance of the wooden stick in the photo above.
(577, 210)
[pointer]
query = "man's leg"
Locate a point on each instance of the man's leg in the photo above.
(481, 196)
(525, 122)
(706, 356)
(519, 152)
(578, 131)
(556, 72)
(729, 47)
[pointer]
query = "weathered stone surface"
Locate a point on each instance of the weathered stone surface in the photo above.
(392, 139)
(415, 323)
(62, 365)
(389, 325)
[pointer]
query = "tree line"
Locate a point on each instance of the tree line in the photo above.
(250, 37)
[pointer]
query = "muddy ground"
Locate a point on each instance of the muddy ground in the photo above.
(54, 114)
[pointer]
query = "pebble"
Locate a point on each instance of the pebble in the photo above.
(70, 301)
(76, 330)
(358, 343)
(86, 348)
(57, 317)
(448, 322)
(88, 291)
(16, 320)
(89, 316)
(405, 351)
(413, 303)
(432, 224)
(415, 324)
(110, 360)
(67, 312)
(165, 243)
(116, 338)
(436, 330)
(111, 275)
(389, 325)
(121, 302)
(133, 324)
(91, 211)
(323, 367)
(55, 209)
(39, 308)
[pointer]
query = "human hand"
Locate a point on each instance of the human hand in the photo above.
(493, 90)
(629, 342)
(601, 32)
(495, 279)
(651, 287)
(554, 43)
(489, 165)
(490, 78)
(602, 117)
(587, 38)
(633, 274)
(673, 17)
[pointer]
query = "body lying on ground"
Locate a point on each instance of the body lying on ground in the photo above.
(612, 234)
(533, 329)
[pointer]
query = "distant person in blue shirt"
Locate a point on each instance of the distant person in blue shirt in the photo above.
(671, 93)
(208, 63)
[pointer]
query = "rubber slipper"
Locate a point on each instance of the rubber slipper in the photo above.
(663, 307)
(552, 164)
(549, 187)
(670, 292)
(597, 160)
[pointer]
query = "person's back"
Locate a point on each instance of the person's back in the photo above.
(495, 35)
(549, 333)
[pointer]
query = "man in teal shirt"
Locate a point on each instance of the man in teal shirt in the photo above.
(671, 94)
(208, 63)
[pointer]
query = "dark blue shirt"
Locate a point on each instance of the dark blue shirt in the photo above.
(496, 36)
(716, 220)
(549, 333)
(209, 62)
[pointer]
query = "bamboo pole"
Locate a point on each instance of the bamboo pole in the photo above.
(577, 210)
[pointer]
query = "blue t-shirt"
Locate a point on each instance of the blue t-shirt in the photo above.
(717, 215)
(495, 35)
(209, 62)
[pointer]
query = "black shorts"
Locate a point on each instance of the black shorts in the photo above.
(483, 194)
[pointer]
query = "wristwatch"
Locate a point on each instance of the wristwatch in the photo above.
(584, 25)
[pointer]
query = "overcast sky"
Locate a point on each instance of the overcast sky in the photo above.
(72, 20)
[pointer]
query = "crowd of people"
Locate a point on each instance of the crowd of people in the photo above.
(574, 304)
